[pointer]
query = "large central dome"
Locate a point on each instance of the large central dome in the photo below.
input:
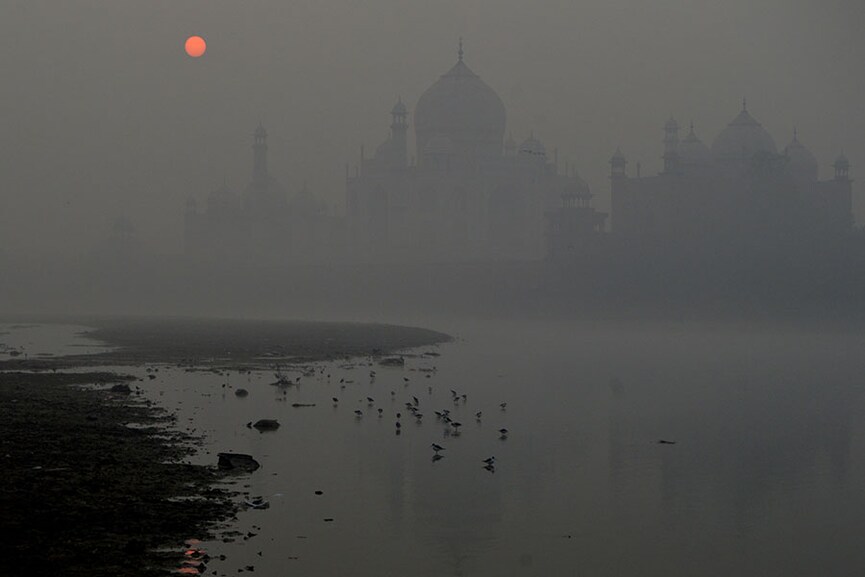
(463, 109)
(742, 138)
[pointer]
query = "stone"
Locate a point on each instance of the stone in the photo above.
(266, 424)
(237, 462)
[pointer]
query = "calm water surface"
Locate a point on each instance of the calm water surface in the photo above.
(766, 476)
(32, 341)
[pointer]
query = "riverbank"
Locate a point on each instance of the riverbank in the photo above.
(228, 342)
(85, 494)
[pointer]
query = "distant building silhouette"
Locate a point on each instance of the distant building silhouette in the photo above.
(463, 192)
(467, 193)
(120, 243)
(742, 193)
(264, 224)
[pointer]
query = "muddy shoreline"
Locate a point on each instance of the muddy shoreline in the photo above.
(86, 494)
(83, 493)
(230, 343)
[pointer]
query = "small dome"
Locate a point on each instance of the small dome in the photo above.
(692, 151)
(671, 125)
(531, 146)
(742, 138)
(399, 108)
(802, 163)
(223, 192)
(575, 186)
(222, 199)
(617, 157)
(305, 203)
(841, 161)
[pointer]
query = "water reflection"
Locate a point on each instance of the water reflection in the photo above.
(763, 478)
(195, 559)
(31, 341)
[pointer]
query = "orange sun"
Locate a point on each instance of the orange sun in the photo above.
(195, 46)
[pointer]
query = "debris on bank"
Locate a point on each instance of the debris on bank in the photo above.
(237, 462)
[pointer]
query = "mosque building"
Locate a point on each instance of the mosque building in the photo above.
(465, 193)
(462, 191)
(740, 191)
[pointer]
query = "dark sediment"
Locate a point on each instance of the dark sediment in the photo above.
(233, 342)
(84, 494)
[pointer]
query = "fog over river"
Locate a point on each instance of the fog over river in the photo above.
(759, 475)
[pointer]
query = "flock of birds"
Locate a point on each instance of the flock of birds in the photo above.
(452, 427)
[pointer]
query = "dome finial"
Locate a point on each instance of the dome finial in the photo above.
(795, 134)
(842, 158)
(744, 104)
(460, 52)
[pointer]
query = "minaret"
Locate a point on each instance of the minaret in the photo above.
(617, 165)
(618, 187)
(671, 146)
(399, 131)
(259, 157)
(510, 146)
(842, 168)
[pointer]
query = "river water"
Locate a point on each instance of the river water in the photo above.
(763, 474)
(38, 340)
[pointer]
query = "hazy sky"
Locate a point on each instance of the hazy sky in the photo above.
(102, 114)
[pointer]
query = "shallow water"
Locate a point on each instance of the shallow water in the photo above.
(32, 341)
(764, 478)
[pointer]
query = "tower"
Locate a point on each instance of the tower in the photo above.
(617, 165)
(259, 157)
(510, 146)
(264, 195)
(671, 146)
(842, 168)
(399, 131)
